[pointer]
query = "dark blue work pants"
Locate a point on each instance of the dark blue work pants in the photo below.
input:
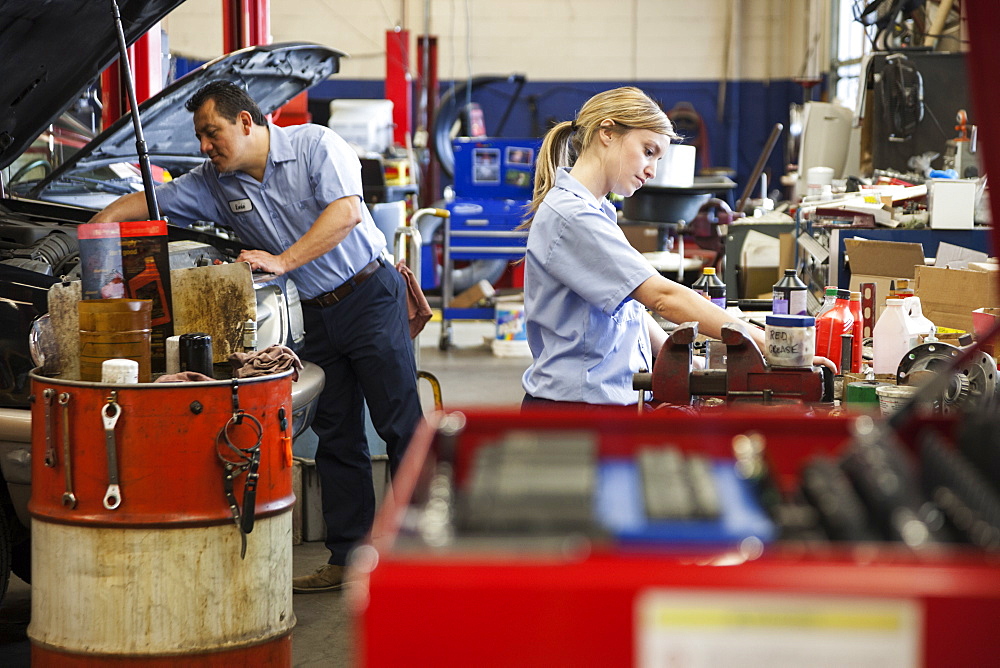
(363, 345)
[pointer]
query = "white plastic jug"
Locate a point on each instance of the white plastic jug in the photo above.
(894, 335)
(920, 323)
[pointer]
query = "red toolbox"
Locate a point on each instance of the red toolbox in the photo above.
(521, 600)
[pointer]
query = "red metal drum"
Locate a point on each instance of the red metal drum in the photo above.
(150, 572)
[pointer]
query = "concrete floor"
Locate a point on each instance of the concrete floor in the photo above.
(470, 375)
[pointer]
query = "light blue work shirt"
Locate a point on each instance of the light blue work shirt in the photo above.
(308, 167)
(587, 336)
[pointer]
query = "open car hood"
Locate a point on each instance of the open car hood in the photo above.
(272, 74)
(50, 50)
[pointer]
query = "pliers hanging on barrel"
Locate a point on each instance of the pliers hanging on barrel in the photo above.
(235, 460)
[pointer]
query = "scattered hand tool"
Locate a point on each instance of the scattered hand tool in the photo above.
(68, 497)
(50, 447)
(111, 412)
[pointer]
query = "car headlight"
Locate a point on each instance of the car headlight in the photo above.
(42, 342)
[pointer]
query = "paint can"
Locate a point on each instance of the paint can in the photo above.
(511, 337)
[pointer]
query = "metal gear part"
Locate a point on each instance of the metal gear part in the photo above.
(971, 387)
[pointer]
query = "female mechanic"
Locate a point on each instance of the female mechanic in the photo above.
(586, 289)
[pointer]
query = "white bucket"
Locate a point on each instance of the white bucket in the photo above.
(511, 338)
(892, 397)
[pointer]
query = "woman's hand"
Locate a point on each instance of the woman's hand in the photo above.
(822, 361)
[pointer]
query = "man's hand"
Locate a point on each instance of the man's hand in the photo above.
(332, 226)
(263, 261)
(127, 207)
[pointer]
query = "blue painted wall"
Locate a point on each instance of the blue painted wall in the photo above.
(750, 110)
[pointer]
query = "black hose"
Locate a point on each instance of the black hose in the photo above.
(56, 249)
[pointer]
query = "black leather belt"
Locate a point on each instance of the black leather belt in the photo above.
(346, 288)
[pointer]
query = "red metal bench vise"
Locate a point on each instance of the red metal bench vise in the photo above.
(747, 376)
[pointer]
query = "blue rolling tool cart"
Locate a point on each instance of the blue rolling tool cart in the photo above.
(493, 184)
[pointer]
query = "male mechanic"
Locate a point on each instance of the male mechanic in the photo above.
(295, 194)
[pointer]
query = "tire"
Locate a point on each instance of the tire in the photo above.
(445, 341)
(20, 560)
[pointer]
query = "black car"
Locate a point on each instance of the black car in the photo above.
(49, 52)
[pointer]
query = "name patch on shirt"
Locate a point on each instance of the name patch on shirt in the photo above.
(240, 205)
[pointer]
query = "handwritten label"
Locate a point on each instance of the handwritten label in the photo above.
(790, 346)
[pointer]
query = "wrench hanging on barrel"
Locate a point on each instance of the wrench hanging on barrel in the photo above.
(110, 413)
(68, 497)
(50, 447)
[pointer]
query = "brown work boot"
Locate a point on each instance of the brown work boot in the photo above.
(328, 577)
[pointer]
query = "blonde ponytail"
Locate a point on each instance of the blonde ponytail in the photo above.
(628, 107)
(553, 154)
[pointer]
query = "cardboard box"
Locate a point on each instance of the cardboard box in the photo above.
(949, 296)
(644, 238)
(472, 296)
(882, 263)
(759, 265)
(786, 252)
(758, 282)
(983, 320)
(958, 257)
(989, 265)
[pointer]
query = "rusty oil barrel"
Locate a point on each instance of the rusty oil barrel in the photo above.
(151, 574)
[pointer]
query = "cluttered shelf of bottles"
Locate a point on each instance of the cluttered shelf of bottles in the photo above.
(576, 518)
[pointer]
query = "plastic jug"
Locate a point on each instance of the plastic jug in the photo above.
(831, 326)
(789, 295)
(711, 287)
(893, 336)
(829, 298)
(920, 323)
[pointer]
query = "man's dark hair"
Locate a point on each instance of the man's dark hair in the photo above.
(230, 100)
